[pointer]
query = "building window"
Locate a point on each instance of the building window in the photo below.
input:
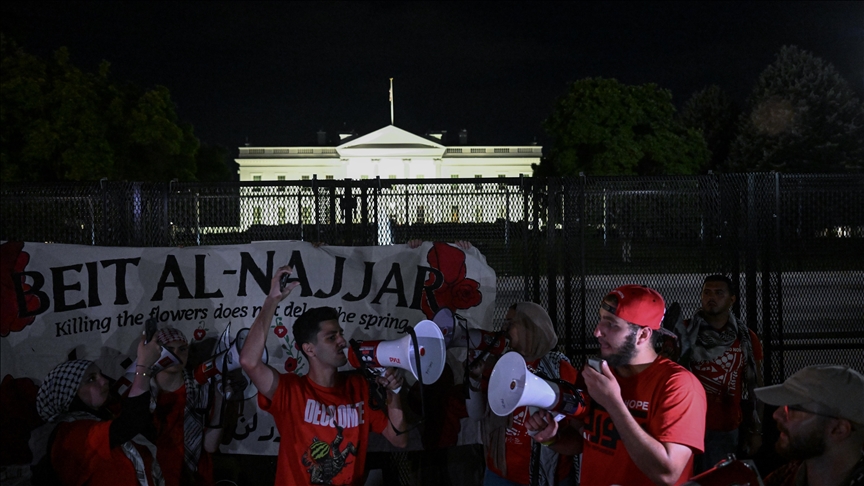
(478, 186)
(256, 178)
(364, 177)
(328, 177)
(421, 214)
(453, 151)
(502, 186)
(305, 151)
(478, 150)
(256, 215)
(281, 178)
(282, 218)
(256, 151)
(392, 176)
(502, 150)
(454, 214)
(453, 187)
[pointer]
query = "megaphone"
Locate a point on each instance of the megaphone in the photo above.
(226, 360)
(495, 343)
(512, 386)
(399, 353)
(166, 360)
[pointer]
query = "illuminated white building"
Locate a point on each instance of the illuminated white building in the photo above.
(388, 153)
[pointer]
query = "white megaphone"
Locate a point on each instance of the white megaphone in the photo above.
(166, 360)
(399, 353)
(225, 359)
(512, 386)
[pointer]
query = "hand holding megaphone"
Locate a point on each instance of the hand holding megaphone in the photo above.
(146, 351)
(225, 360)
(512, 385)
(400, 353)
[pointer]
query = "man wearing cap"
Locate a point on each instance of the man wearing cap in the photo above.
(820, 416)
(647, 413)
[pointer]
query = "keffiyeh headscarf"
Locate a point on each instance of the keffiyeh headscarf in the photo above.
(53, 400)
(60, 388)
(193, 421)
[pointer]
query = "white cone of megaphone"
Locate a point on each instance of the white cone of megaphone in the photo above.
(166, 360)
(225, 360)
(512, 386)
(399, 353)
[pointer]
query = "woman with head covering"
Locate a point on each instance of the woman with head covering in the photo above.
(82, 443)
(512, 458)
(183, 437)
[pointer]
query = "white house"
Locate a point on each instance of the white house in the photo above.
(388, 153)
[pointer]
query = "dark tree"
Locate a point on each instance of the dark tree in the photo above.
(61, 123)
(801, 117)
(215, 164)
(711, 112)
(603, 127)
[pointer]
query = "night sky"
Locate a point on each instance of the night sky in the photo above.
(276, 73)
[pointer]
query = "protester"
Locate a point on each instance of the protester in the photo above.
(510, 452)
(82, 442)
(820, 416)
(647, 414)
(324, 417)
(727, 358)
(184, 418)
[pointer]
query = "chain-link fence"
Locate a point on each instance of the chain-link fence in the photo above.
(794, 244)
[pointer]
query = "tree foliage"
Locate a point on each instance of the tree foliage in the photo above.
(711, 112)
(603, 127)
(61, 123)
(801, 117)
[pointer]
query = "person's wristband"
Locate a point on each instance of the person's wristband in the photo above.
(551, 441)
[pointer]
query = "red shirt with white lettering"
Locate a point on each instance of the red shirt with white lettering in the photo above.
(667, 401)
(723, 379)
(324, 431)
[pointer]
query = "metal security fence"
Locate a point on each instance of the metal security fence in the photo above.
(794, 244)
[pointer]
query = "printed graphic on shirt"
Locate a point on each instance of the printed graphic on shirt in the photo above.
(722, 375)
(600, 430)
(342, 416)
(325, 461)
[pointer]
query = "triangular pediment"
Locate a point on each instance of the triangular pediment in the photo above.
(390, 137)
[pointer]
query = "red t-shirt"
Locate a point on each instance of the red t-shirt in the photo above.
(723, 379)
(81, 455)
(518, 443)
(667, 401)
(170, 446)
(324, 431)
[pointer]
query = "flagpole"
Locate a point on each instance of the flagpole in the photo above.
(391, 101)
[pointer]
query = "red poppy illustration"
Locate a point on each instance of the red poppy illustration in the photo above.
(456, 291)
(14, 260)
(280, 331)
(290, 365)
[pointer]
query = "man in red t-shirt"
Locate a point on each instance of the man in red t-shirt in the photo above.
(647, 414)
(726, 356)
(323, 417)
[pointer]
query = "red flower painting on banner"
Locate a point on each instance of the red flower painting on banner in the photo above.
(13, 260)
(456, 291)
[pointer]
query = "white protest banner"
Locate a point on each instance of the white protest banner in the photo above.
(93, 301)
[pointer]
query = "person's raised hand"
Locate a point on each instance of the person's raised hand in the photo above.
(148, 353)
(602, 386)
(276, 290)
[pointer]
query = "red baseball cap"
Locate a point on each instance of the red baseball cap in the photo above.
(638, 304)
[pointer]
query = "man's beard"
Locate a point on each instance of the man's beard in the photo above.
(806, 445)
(625, 352)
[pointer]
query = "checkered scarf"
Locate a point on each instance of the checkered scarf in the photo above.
(52, 403)
(196, 399)
(60, 388)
